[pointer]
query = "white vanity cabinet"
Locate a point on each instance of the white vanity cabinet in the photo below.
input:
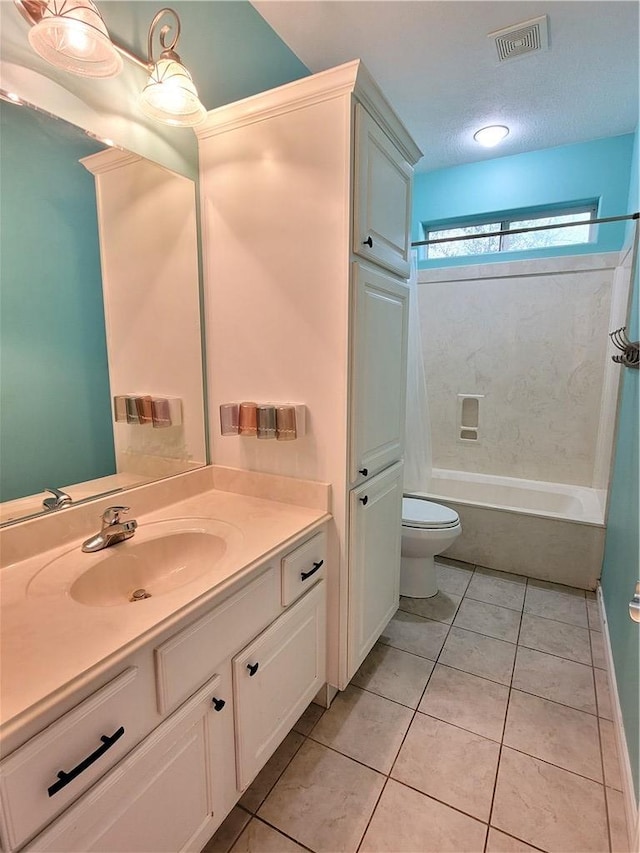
(381, 198)
(276, 676)
(305, 195)
(374, 540)
(379, 365)
(186, 725)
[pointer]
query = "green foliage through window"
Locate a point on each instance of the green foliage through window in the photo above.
(511, 242)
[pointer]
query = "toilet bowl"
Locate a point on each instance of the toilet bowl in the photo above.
(427, 529)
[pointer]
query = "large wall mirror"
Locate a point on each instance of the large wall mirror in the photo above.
(99, 298)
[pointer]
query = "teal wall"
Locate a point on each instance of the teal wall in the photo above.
(55, 412)
(571, 173)
(620, 569)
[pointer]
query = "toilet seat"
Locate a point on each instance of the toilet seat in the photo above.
(422, 514)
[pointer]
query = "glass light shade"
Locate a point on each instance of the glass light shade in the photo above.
(170, 95)
(492, 135)
(72, 35)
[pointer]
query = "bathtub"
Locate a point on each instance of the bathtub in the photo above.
(550, 531)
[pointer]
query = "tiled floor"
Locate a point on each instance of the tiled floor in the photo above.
(481, 721)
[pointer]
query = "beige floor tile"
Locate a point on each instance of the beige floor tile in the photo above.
(449, 763)
(308, 719)
(534, 583)
(453, 578)
(256, 793)
(501, 588)
(323, 800)
(620, 842)
(605, 708)
(415, 634)
(407, 821)
(489, 619)
(257, 837)
(597, 649)
(228, 831)
(555, 678)
(467, 701)
(553, 604)
(479, 655)
(394, 674)
(364, 726)
(556, 638)
(441, 607)
(549, 807)
(498, 842)
(593, 615)
(557, 734)
(612, 774)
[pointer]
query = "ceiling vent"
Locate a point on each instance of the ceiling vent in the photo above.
(521, 39)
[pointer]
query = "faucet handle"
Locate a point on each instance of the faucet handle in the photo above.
(111, 515)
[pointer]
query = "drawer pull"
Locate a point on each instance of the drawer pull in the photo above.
(316, 566)
(363, 471)
(368, 242)
(364, 501)
(64, 778)
(218, 704)
(253, 668)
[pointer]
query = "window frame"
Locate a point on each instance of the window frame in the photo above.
(505, 220)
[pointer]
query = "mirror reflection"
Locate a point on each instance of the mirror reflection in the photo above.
(99, 300)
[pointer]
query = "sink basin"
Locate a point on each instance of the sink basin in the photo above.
(159, 558)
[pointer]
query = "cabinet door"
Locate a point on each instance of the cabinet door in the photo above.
(379, 371)
(382, 198)
(275, 678)
(165, 795)
(375, 527)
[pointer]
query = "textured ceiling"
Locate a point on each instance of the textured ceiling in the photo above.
(433, 60)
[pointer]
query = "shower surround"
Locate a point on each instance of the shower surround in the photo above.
(529, 338)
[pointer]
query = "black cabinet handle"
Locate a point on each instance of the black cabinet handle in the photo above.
(363, 471)
(316, 566)
(364, 501)
(253, 668)
(218, 704)
(368, 242)
(64, 778)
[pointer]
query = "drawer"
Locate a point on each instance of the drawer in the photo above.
(161, 797)
(190, 657)
(48, 772)
(303, 567)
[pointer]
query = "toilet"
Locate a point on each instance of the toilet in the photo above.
(427, 529)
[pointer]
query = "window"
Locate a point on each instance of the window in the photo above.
(582, 232)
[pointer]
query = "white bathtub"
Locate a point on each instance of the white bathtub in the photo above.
(549, 531)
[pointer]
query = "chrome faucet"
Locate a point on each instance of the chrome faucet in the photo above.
(113, 530)
(58, 500)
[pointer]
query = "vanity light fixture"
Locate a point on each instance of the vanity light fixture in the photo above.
(170, 95)
(491, 135)
(72, 35)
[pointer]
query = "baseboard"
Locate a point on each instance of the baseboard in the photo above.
(632, 811)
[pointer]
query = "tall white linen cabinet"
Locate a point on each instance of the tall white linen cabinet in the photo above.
(306, 204)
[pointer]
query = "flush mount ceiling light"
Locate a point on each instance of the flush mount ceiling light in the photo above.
(491, 135)
(71, 34)
(170, 95)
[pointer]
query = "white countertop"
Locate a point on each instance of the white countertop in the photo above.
(49, 641)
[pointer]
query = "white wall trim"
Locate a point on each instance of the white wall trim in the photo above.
(631, 809)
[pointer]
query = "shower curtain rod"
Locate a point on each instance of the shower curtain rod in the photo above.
(524, 230)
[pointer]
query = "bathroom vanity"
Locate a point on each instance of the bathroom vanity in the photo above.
(137, 725)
